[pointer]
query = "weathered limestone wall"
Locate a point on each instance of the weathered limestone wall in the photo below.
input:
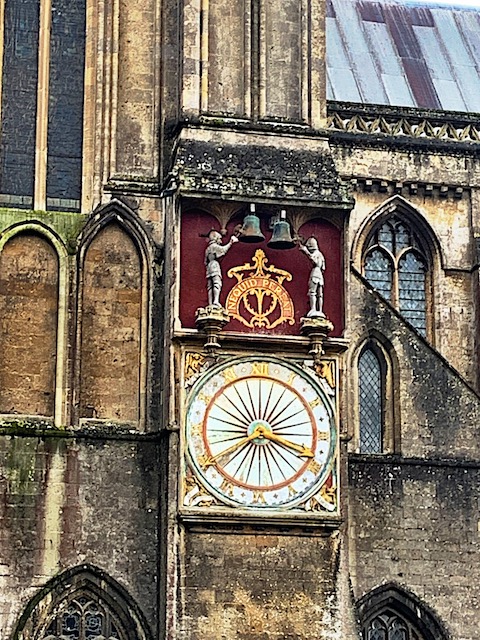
(417, 525)
(228, 52)
(69, 502)
(268, 585)
(438, 414)
(136, 131)
(254, 61)
(413, 517)
(450, 217)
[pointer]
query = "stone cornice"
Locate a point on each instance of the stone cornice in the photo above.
(403, 124)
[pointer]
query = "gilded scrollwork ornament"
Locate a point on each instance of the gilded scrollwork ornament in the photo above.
(194, 493)
(259, 299)
(194, 364)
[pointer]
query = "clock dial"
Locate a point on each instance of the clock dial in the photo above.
(260, 433)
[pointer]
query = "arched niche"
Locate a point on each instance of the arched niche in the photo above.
(32, 327)
(116, 260)
(112, 302)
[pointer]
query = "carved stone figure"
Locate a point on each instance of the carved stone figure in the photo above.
(213, 254)
(316, 280)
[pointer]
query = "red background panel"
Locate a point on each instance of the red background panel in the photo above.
(193, 289)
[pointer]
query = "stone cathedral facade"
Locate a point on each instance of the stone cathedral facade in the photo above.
(239, 320)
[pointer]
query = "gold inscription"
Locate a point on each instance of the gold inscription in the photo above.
(197, 429)
(259, 298)
(206, 461)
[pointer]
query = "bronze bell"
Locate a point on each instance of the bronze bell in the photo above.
(281, 236)
(250, 230)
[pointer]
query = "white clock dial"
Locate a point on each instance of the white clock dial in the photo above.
(260, 433)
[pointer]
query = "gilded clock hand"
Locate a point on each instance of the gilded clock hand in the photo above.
(213, 459)
(304, 451)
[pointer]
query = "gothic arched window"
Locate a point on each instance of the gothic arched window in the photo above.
(396, 264)
(83, 603)
(391, 613)
(83, 618)
(371, 387)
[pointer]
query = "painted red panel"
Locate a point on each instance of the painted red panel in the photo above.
(193, 290)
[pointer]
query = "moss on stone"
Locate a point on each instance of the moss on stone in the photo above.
(66, 225)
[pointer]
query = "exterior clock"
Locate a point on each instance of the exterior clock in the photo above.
(260, 433)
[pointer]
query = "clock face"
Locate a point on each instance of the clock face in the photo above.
(260, 433)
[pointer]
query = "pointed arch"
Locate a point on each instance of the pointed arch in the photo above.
(115, 282)
(391, 608)
(46, 237)
(405, 211)
(398, 253)
(117, 211)
(82, 593)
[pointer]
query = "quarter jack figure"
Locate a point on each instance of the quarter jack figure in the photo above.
(213, 254)
(316, 280)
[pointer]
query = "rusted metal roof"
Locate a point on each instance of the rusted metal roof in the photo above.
(390, 52)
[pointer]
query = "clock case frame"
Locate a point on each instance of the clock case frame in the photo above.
(196, 367)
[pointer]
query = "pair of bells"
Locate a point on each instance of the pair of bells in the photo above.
(250, 231)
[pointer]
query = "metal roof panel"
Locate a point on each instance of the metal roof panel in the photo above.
(405, 55)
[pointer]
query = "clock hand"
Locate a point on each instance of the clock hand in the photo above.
(301, 448)
(212, 459)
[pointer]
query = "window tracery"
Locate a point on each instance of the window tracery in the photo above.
(396, 264)
(83, 618)
(389, 612)
(387, 625)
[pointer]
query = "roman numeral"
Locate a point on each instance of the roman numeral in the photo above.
(260, 369)
(314, 467)
(227, 488)
(229, 375)
(258, 497)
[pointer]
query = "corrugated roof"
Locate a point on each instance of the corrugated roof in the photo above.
(402, 54)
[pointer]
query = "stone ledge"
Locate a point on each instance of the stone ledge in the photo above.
(269, 170)
(17, 425)
(238, 521)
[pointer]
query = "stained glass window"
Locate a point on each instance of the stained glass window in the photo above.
(397, 268)
(84, 618)
(371, 386)
(65, 108)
